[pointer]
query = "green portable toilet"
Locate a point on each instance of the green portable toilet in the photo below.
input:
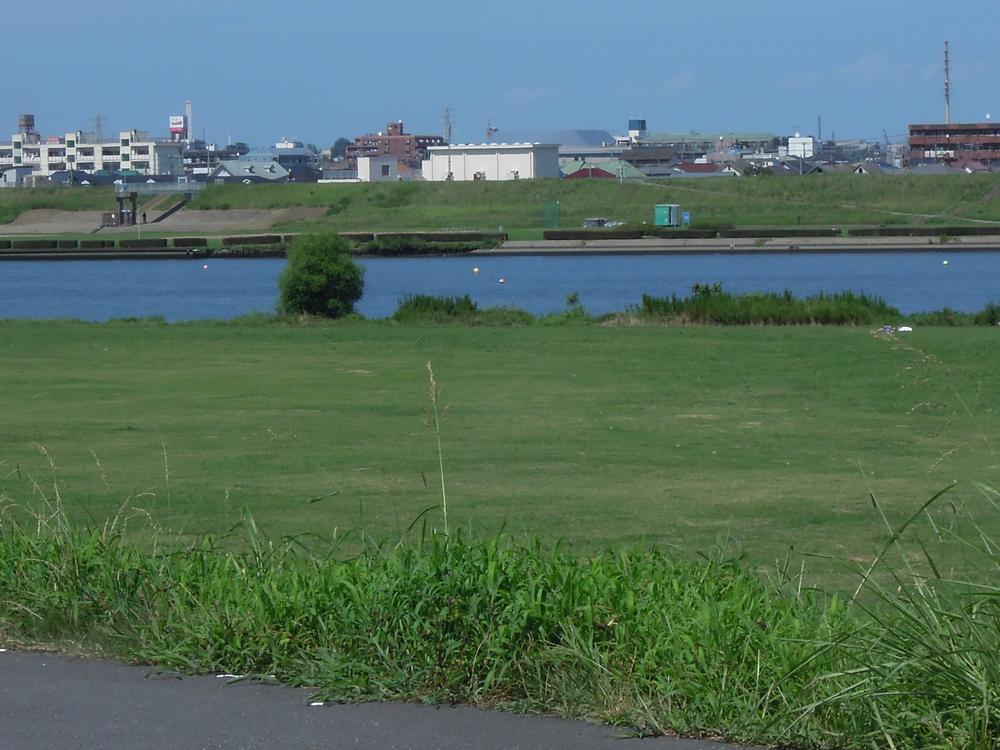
(667, 215)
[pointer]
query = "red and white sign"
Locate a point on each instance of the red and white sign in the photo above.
(178, 124)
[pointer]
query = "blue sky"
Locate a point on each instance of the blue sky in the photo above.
(257, 71)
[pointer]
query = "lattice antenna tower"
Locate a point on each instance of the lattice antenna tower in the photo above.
(947, 85)
(447, 139)
(98, 121)
(447, 125)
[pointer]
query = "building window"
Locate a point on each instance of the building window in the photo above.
(125, 157)
(70, 143)
(17, 159)
(385, 170)
(125, 142)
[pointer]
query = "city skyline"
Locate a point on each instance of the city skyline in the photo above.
(314, 73)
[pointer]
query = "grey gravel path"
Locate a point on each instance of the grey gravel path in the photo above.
(58, 703)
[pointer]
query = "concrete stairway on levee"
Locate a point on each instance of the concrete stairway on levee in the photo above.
(172, 210)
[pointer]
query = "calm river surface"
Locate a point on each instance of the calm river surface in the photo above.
(186, 290)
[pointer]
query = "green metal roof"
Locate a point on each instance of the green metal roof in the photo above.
(614, 166)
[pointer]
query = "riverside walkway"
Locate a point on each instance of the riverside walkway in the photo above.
(63, 703)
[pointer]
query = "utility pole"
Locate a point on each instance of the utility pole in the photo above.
(947, 85)
(447, 138)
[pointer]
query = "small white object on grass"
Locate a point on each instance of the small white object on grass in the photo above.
(317, 703)
(905, 329)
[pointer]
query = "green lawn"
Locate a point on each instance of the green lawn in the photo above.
(602, 436)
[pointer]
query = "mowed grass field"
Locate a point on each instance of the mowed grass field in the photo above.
(601, 436)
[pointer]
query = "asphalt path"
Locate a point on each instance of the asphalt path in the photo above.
(57, 702)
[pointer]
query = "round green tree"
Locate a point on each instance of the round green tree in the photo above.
(321, 277)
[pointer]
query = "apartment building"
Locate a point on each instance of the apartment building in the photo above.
(133, 150)
(394, 141)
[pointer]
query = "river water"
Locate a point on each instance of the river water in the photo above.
(195, 289)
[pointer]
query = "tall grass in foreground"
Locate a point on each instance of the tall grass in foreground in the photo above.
(632, 637)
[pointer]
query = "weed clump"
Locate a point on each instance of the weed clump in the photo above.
(456, 309)
(710, 304)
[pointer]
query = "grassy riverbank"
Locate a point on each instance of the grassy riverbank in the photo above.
(837, 200)
(599, 435)
(14, 202)
(818, 200)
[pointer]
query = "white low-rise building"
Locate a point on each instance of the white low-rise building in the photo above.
(378, 168)
(801, 146)
(466, 162)
(134, 150)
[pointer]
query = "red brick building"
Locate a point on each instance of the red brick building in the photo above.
(954, 142)
(408, 148)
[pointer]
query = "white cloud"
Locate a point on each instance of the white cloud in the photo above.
(680, 82)
(868, 69)
(531, 93)
(803, 79)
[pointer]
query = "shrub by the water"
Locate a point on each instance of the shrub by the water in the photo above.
(190, 242)
(988, 316)
(398, 245)
(709, 303)
(321, 277)
(443, 309)
(426, 306)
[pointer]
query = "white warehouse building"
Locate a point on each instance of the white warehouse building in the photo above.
(465, 162)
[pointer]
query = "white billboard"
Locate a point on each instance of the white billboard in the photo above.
(178, 124)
